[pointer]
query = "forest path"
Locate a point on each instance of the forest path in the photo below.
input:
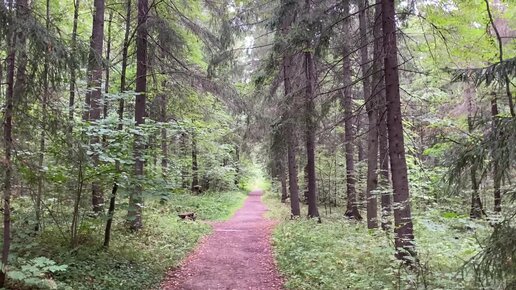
(238, 255)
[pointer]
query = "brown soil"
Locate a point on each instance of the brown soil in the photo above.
(236, 256)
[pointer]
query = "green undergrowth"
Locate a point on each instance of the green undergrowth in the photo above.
(133, 260)
(341, 254)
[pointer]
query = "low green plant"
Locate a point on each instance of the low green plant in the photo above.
(342, 254)
(133, 260)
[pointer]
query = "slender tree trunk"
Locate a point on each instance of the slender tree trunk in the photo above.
(136, 199)
(184, 168)
(287, 20)
(379, 94)
(94, 95)
(500, 58)
(347, 103)
(313, 212)
(283, 181)
(164, 138)
(125, 48)
(404, 236)
(108, 66)
(372, 134)
(292, 177)
(8, 146)
(477, 210)
(196, 187)
(71, 101)
(497, 176)
(305, 184)
(237, 164)
(41, 160)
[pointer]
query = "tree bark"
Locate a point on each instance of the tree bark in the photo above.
(500, 58)
(40, 189)
(497, 176)
(94, 95)
(121, 105)
(164, 138)
(310, 128)
(372, 133)
(477, 210)
(404, 236)
(283, 181)
(71, 101)
(136, 199)
(184, 168)
(196, 187)
(237, 164)
(287, 20)
(378, 93)
(8, 145)
(347, 102)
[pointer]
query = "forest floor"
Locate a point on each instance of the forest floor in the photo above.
(238, 255)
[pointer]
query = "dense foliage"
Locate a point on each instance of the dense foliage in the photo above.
(389, 124)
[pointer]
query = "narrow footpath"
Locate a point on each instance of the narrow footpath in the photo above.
(237, 256)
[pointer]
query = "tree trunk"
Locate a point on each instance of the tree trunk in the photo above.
(497, 176)
(500, 58)
(379, 94)
(40, 189)
(164, 138)
(372, 134)
(237, 164)
(71, 101)
(184, 169)
(283, 181)
(477, 210)
(94, 95)
(347, 103)
(125, 48)
(292, 176)
(108, 66)
(196, 187)
(8, 145)
(136, 199)
(404, 236)
(313, 212)
(287, 20)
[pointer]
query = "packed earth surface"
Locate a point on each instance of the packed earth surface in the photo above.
(238, 255)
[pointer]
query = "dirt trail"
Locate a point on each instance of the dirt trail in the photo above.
(236, 256)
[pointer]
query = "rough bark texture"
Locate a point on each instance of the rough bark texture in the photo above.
(71, 101)
(347, 102)
(404, 236)
(94, 95)
(310, 128)
(372, 114)
(8, 144)
(136, 199)
(288, 18)
(378, 92)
